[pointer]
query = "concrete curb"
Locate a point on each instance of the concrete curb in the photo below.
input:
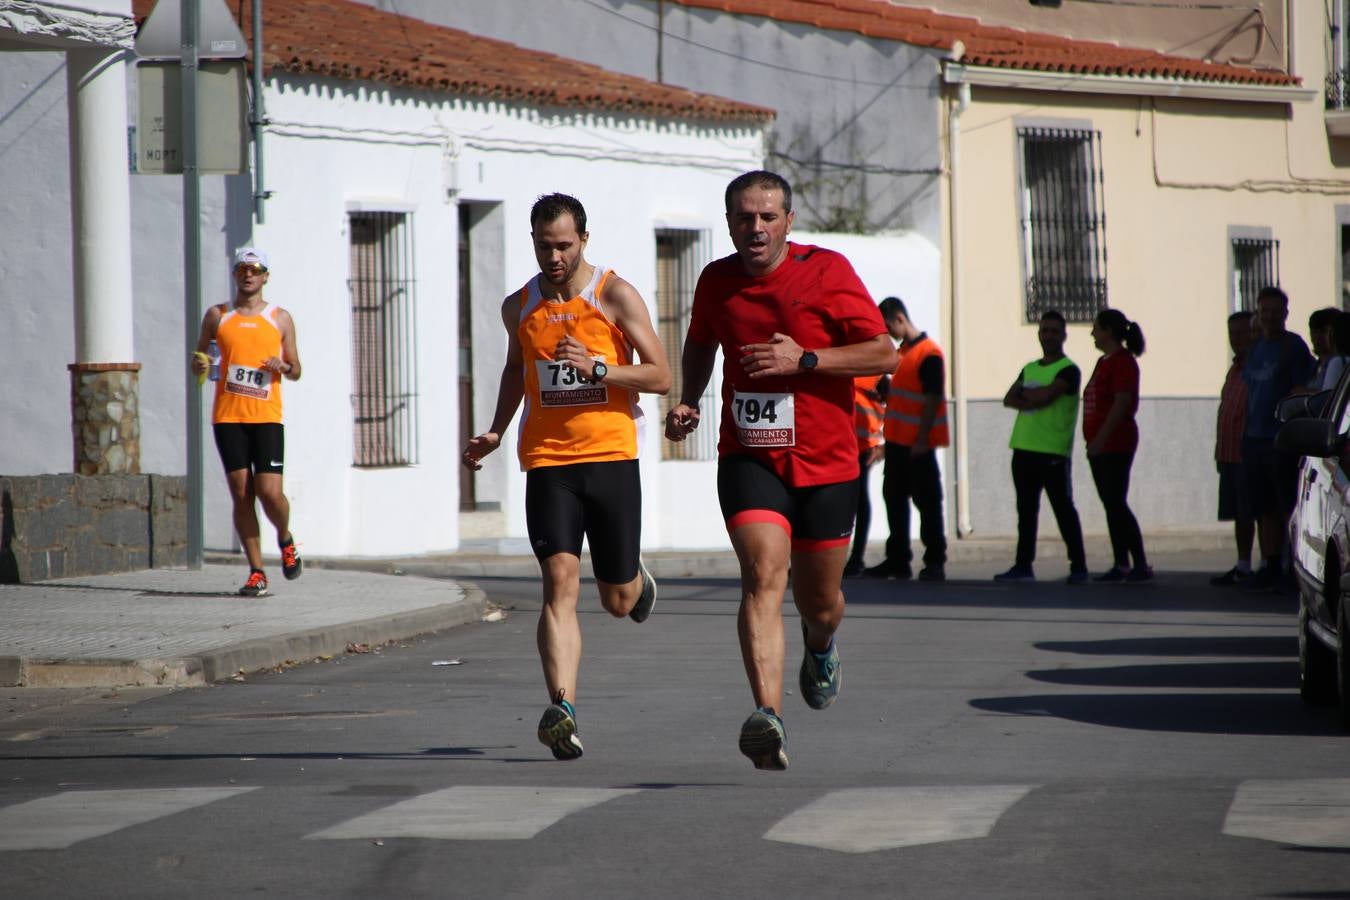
(250, 656)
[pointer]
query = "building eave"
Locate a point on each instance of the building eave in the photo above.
(1124, 85)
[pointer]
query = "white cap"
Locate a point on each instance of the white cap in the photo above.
(250, 256)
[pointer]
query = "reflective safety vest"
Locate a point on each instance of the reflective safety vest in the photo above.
(905, 401)
(869, 412)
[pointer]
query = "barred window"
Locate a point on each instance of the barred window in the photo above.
(680, 256)
(384, 398)
(1063, 222)
(1256, 264)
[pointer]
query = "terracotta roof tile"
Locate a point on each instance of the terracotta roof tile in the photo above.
(989, 45)
(347, 40)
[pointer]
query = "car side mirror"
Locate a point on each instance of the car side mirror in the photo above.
(1309, 437)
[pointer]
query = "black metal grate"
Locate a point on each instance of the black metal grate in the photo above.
(680, 256)
(1256, 264)
(384, 381)
(1064, 222)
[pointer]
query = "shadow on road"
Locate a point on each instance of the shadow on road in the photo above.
(1207, 713)
(1213, 645)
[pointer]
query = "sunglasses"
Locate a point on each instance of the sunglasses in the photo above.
(249, 269)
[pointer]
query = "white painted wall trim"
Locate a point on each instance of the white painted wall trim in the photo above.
(51, 22)
(1134, 86)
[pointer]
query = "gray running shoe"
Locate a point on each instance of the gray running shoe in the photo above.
(647, 599)
(764, 741)
(820, 674)
(558, 729)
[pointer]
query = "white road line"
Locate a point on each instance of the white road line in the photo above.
(56, 822)
(1312, 812)
(864, 820)
(473, 813)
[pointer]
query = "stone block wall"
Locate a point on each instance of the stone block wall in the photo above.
(57, 526)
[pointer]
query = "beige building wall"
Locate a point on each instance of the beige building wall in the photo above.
(1180, 175)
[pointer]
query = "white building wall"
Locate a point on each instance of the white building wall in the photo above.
(331, 146)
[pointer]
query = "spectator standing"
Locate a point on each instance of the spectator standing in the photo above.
(1234, 505)
(869, 411)
(1110, 402)
(1330, 361)
(916, 425)
(1276, 364)
(1045, 396)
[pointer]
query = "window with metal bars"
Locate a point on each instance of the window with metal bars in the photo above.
(1256, 264)
(680, 256)
(384, 371)
(1063, 222)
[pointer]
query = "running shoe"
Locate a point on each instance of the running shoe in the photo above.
(647, 599)
(558, 729)
(1077, 576)
(1017, 573)
(764, 741)
(256, 586)
(854, 568)
(820, 674)
(290, 559)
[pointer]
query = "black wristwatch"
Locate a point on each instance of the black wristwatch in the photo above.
(809, 361)
(599, 372)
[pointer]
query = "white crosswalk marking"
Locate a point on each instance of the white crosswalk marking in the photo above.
(53, 823)
(864, 820)
(1312, 812)
(474, 813)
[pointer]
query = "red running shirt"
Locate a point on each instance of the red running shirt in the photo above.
(800, 425)
(1114, 374)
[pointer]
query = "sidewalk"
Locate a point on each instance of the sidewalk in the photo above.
(179, 628)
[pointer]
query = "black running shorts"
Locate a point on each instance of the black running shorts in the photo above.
(816, 518)
(602, 500)
(247, 445)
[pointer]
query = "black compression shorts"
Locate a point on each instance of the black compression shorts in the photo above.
(248, 445)
(602, 500)
(816, 518)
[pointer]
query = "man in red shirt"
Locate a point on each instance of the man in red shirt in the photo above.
(795, 326)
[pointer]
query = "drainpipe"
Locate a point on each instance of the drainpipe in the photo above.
(260, 193)
(956, 106)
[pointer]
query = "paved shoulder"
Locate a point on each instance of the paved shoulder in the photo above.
(181, 627)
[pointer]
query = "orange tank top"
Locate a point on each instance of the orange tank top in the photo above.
(568, 419)
(246, 392)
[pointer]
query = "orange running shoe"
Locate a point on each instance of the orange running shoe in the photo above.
(256, 586)
(290, 559)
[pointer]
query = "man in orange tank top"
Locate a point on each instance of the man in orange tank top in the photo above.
(257, 349)
(571, 334)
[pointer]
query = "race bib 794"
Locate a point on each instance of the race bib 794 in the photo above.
(764, 420)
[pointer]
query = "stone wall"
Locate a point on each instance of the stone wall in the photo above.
(57, 526)
(105, 418)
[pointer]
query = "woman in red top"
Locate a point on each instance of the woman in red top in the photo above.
(1110, 402)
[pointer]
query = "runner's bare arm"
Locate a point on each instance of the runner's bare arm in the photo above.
(696, 366)
(509, 395)
(288, 364)
(210, 322)
(625, 308)
(781, 355)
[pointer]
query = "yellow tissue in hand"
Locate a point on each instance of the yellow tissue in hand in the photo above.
(206, 361)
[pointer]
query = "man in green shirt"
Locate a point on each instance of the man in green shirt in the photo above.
(1045, 396)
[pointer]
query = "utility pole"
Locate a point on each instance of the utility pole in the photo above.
(192, 272)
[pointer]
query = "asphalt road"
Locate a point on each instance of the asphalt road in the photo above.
(990, 741)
